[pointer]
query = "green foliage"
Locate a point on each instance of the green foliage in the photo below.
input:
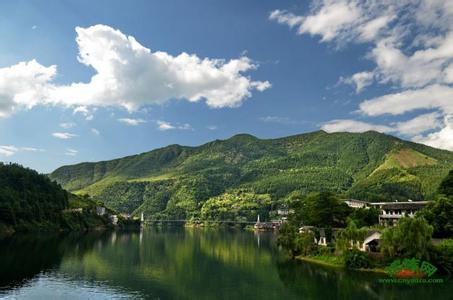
(439, 214)
(446, 186)
(304, 243)
(443, 255)
(356, 259)
(322, 210)
(286, 238)
(239, 205)
(365, 216)
(177, 180)
(350, 238)
(29, 200)
(411, 237)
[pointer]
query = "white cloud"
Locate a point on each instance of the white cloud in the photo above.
(354, 126)
(129, 75)
(415, 126)
(67, 125)
(411, 45)
(8, 150)
(360, 80)
(442, 139)
(131, 122)
(278, 120)
(212, 127)
(431, 97)
(164, 125)
(419, 124)
(11, 150)
(71, 152)
(24, 85)
(34, 27)
(95, 131)
(31, 149)
(63, 135)
(85, 111)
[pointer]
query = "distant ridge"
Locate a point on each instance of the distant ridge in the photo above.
(180, 179)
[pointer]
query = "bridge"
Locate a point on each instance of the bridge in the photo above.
(198, 221)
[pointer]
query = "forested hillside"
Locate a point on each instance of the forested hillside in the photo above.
(30, 201)
(245, 174)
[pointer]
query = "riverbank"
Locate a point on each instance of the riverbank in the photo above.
(334, 262)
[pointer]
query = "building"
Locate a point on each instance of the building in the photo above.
(356, 203)
(372, 241)
(391, 212)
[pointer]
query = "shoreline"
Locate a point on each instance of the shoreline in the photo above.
(314, 260)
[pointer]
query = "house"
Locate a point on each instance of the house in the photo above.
(391, 212)
(371, 241)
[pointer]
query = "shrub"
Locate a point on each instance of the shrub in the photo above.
(356, 259)
(304, 243)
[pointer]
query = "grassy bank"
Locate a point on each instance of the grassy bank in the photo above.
(334, 261)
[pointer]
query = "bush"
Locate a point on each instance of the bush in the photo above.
(304, 243)
(411, 237)
(442, 256)
(356, 259)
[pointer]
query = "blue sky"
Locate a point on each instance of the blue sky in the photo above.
(268, 68)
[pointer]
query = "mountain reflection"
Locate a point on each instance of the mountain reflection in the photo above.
(183, 264)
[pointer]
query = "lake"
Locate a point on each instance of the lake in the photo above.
(179, 263)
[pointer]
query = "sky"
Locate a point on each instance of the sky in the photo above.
(96, 80)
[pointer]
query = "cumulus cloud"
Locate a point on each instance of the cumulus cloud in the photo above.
(63, 135)
(411, 46)
(129, 75)
(131, 122)
(441, 139)
(359, 80)
(164, 125)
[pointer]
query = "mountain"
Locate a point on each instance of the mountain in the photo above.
(244, 175)
(30, 201)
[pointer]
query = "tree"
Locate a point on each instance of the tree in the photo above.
(304, 243)
(323, 210)
(446, 186)
(365, 216)
(350, 237)
(439, 214)
(286, 238)
(411, 237)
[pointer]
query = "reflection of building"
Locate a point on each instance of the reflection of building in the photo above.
(114, 219)
(391, 212)
(100, 210)
(264, 226)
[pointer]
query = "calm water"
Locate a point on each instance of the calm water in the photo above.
(179, 264)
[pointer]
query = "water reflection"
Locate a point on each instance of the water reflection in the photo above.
(178, 263)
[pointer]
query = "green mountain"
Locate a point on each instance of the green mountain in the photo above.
(243, 175)
(30, 201)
